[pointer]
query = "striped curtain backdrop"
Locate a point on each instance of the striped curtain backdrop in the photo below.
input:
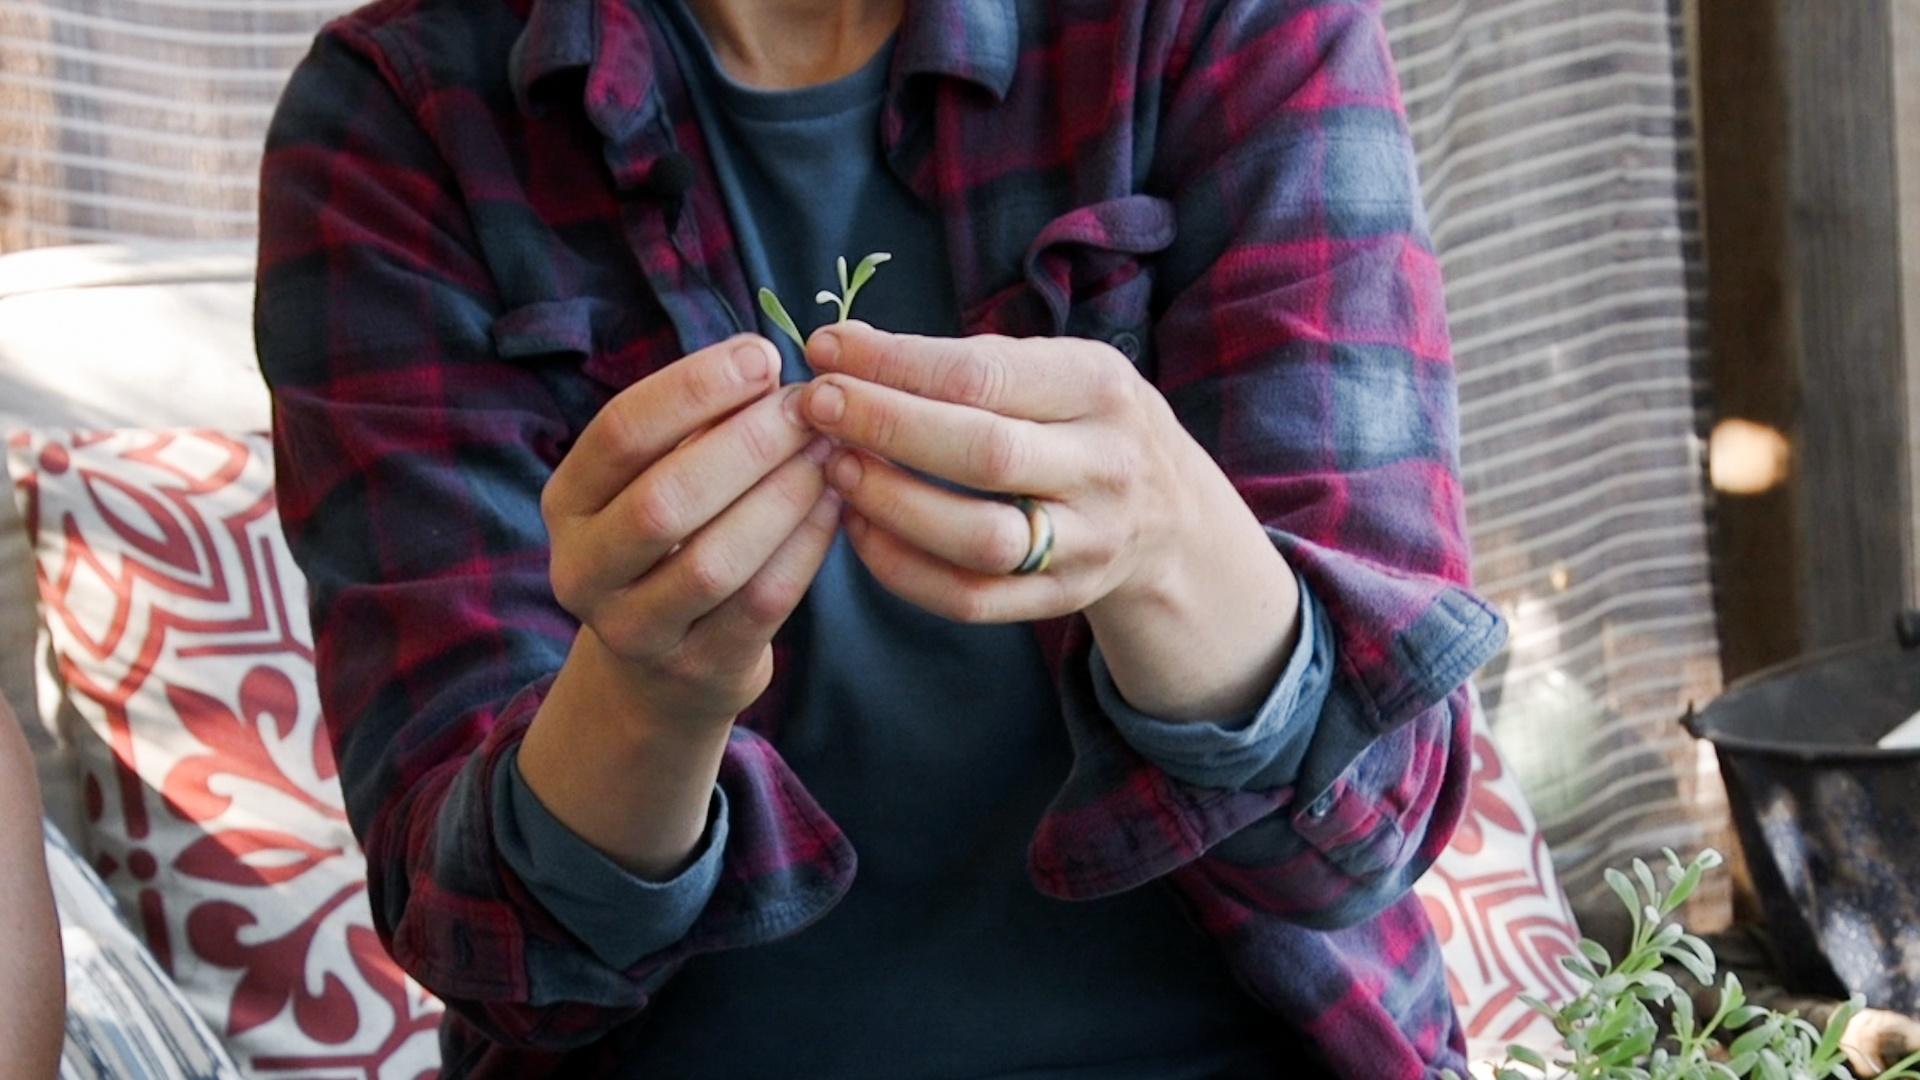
(140, 118)
(1558, 160)
(1557, 157)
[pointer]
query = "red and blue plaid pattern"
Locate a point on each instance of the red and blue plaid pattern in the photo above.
(462, 259)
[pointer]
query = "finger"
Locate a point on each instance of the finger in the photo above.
(648, 419)
(1035, 379)
(952, 591)
(956, 442)
(984, 535)
(737, 630)
(689, 487)
(653, 614)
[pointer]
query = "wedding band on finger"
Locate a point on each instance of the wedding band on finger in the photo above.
(1040, 536)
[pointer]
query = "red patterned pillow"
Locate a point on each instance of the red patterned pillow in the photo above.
(1503, 922)
(178, 623)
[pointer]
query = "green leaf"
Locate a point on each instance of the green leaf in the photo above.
(1754, 1038)
(1579, 966)
(770, 304)
(1537, 1005)
(1684, 884)
(1645, 873)
(1701, 973)
(1732, 994)
(1683, 1016)
(1596, 952)
(1675, 867)
(861, 275)
(863, 272)
(1658, 986)
(1528, 1057)
(1837, 1029)
(840, 267)
(1623, 889)
(1634, 1046)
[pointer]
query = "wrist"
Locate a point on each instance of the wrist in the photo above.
(605, 762)
(1204, 625)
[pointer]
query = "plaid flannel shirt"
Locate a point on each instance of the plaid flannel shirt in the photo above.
(465, 252)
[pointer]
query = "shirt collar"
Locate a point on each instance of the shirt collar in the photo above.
(608, 42)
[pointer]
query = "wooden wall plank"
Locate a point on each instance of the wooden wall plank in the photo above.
(1844, 246)
(1906, 95)
(1806, 306)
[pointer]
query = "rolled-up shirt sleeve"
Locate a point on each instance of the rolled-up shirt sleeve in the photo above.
(1299, 335)
(616, 913)
(1262, 748)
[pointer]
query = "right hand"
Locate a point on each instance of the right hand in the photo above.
(687, 522)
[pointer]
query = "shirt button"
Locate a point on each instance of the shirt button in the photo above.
(1128, 343)
(1322, 806)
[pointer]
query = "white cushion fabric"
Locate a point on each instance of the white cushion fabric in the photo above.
(125, 1019)
(110, 336)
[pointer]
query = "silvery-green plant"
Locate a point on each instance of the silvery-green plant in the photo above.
(849, 288)
(1610, 1031)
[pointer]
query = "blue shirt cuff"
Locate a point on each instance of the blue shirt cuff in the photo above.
(620, 916)
(1260, 750)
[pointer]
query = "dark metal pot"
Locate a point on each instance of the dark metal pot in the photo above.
(1830, 823)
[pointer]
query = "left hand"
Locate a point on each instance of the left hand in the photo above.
(1190, 601)
(1065, 421)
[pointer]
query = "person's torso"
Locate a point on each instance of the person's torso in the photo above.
(934, 745)
(1036, 155)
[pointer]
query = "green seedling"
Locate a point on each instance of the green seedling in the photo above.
(849, 288)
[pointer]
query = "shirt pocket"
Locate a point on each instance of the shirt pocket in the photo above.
(1093, 268)
(588, 333)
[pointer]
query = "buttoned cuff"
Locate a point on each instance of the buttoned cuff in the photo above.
(620, 916)
(1262, 749)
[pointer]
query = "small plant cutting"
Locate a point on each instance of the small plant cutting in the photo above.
(1610, 1029)
(849, 288)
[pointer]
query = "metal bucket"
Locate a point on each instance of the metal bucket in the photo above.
(1830, 823)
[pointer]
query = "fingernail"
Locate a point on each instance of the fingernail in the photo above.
(827, 404)
(827, 508)
(818, 450)
(824, 349)
(845, 473)
(790, 404)
(751, 362)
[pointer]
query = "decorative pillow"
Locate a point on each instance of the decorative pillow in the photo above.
(125, 1019)
(1503, 922)
(178, 624)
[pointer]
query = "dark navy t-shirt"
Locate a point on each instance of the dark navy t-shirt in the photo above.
(935, 745)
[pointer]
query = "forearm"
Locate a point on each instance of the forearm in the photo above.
(1208, 631)
(634, 786)
(32, 979)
